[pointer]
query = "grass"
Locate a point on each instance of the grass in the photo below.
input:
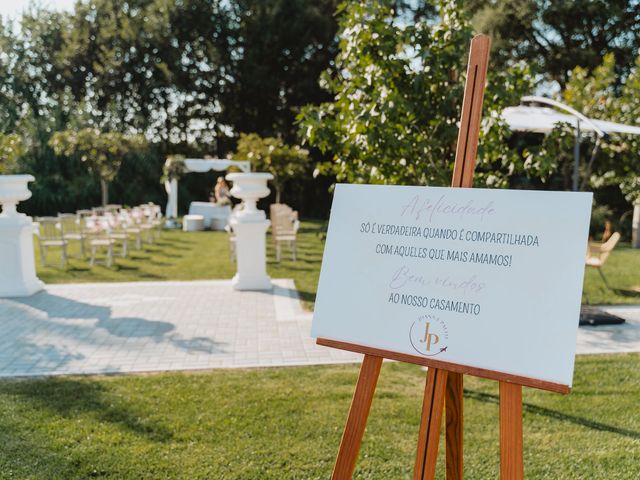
(286, 423)
(181, 255)
(205, 255)
(622, 270)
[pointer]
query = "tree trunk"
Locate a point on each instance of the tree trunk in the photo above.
(104, 186)
(278, 192)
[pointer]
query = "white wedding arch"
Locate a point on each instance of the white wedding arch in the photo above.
(200, 165)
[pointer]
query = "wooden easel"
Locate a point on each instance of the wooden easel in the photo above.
(444, 384)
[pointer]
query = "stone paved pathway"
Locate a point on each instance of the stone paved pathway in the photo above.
(155, 326)
(613, 338)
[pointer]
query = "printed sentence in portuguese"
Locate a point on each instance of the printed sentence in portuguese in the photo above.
(442, 304)
(441, 254)
(476, 236)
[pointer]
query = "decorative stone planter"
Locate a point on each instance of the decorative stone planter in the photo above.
(18, 272)
(250, 227)
(14, 189)
(250, 187)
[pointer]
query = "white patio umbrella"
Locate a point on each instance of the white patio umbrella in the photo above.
(536, 115)
(528, 118)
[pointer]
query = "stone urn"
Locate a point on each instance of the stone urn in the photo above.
(14, 189)
(17, 264)
(250, 228)
(250, 187)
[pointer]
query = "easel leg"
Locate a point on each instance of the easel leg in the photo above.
(357, 420)
(511, 464)
(454, 425)
(430, 422)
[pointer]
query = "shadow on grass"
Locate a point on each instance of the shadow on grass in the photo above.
(170, 243)
(289, 267)
(161, 264)
(627, 293)
(307, 296)
(563, 417)
(28, 452)
(70, 398)
(163, 253)
(141, 274)
(76, 269)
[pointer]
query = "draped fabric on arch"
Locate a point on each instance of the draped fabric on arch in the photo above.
(199, 165)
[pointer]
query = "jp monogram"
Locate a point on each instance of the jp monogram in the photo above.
(428, 335)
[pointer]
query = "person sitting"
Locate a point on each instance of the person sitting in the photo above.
(221, 192)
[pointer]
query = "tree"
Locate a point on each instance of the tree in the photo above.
(603, 95)
(398, 89)
(272, 155)
(10, 149)
(559, 36)
(279, 49)
(103, 153)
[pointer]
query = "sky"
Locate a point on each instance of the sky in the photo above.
(13, 8)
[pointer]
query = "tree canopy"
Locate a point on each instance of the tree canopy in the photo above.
(602, 95)
(10, 149)
(398, 88)
(284, 162)
(102, 152)
(556, 37)
(189, 75)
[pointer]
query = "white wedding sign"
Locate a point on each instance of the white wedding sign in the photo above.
(490, 279)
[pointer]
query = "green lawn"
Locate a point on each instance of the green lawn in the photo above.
(622, 270)
(205, 255)
(181, 255)
(286, 423)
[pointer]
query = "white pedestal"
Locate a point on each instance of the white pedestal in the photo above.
(251, 254)
(250, 226)
(18, 270)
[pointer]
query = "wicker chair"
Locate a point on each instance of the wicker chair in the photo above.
(73, 229)
(128, 224)
(284, 228)
(117, 232)
(112, 208)
(155, 218)
(598, 254)
(141, 215)
(100, 238)
(51, 234)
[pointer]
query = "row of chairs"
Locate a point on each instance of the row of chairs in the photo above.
(284, 229)
(102, 228)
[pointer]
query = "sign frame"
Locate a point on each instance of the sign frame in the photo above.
(444, 383)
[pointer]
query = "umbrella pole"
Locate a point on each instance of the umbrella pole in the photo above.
(576, 158)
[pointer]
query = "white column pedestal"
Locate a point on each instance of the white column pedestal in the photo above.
(251, 254)
(18, 270)
(250, 226)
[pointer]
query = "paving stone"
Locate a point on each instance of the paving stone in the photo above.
(153, 326)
